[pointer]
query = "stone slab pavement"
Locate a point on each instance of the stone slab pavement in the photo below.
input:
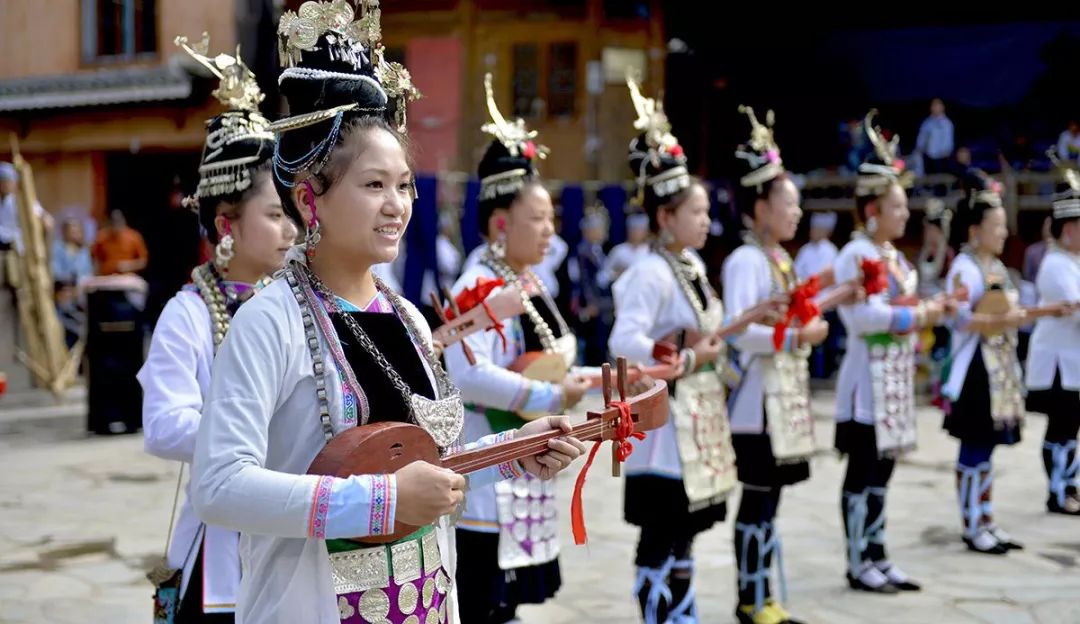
(82, 519)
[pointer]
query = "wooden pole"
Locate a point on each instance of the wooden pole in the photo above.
(47, 355)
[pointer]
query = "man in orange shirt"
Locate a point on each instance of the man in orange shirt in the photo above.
(119, 248)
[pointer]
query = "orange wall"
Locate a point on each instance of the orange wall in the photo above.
(435, 119)
(26, 24)
(64, 181)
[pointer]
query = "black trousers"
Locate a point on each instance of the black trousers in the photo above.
(868, 473)
(190, 611)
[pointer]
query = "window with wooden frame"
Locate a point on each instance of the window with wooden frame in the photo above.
(545, 80)
(119, 30)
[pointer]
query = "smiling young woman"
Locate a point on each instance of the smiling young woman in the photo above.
(328, 347)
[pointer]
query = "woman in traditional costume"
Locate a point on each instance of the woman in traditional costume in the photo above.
(875, 389)
(1053, 365)
(327, 347)
(679, 477)
(510, 528)
(243, 217)
(772, 428)
(985, 385)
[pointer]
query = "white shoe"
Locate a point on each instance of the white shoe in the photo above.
(985, 542)
(1004, 538)
(897, 577)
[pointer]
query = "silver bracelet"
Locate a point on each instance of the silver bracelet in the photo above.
(690, 358)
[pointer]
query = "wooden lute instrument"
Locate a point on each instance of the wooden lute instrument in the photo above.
(487, 314)
(996, 301)
(383, 448)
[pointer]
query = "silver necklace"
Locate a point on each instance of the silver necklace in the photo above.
(511, 277)
(684, 275)
(443, 417)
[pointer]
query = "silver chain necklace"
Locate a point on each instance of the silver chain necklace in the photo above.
(511, 277)
(681, 271)
(445, 388)
(442, 418)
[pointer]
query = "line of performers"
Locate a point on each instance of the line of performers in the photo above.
(249, 389)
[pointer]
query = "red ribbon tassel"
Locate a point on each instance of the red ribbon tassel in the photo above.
(875, 279)
(469, 298)
(624, 430)
(800, 306)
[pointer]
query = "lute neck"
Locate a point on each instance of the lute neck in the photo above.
(472, 460)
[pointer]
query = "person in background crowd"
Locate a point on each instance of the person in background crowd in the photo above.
(818, 254)
(119, 248)
(10, 232)
(1034, 254)
(813, 258)
(593, 297)
(624, 255)
(936, 139)
(70, 265)
(1068, 145)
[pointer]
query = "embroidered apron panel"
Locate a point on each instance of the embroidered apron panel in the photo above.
(786, 384)
(892, 379)
(703, 434)
(1003, 366)
(786, 381)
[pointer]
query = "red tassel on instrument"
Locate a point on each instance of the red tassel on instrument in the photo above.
(624, 430)
(469, 298)
(801, 306)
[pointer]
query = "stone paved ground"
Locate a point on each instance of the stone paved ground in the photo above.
(82, 519)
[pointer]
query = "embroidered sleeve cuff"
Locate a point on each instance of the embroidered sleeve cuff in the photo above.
(494, 474)
(354, 507)
(903, 319)
(509, 469)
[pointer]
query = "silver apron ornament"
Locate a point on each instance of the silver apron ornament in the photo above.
(702, 431)
(786, 385)
(892, 378)
(786, 381)
(999, 354)
(528, 523)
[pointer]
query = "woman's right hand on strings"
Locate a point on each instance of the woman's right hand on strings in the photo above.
(573, 388)
(425, 492)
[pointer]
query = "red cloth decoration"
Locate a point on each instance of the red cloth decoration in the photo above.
(676, 150)
(624, 430)
(529, 151)
(875, 279)
(469, 298)
(801, 306)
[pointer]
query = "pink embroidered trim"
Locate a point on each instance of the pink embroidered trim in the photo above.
(379, 519)
(342, 364)
(320, 507)
(509, 469)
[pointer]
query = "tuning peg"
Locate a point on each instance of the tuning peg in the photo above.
(622, 374)
(605, 376)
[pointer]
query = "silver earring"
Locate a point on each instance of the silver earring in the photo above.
(871, 225)
(224, 252)
(312, 238)
(498, 247)
(666, 237)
